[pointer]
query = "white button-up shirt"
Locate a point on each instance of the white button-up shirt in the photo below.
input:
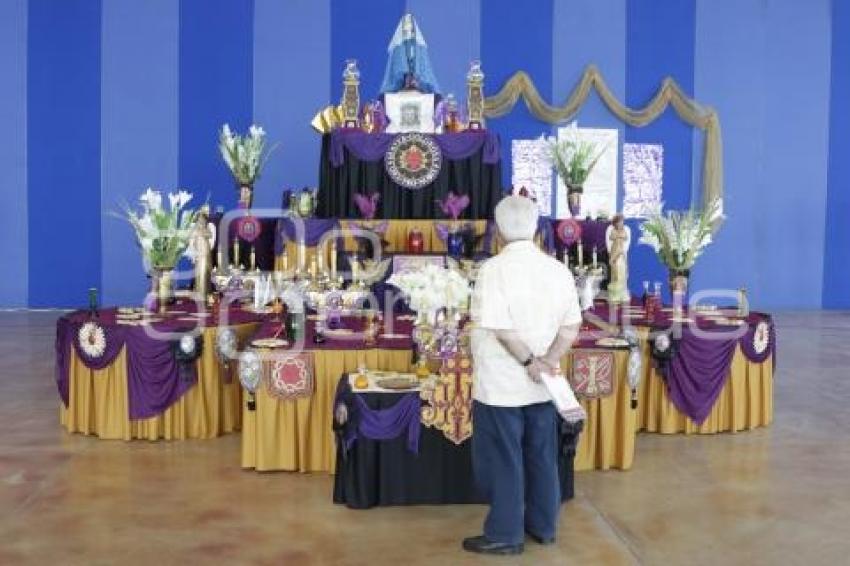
(524, 290)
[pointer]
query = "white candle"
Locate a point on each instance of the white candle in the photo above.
(333, 259)
(302, 255)
(594, 258)
(580, 254)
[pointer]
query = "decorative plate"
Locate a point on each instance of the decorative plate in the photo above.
(761, 337)
(397, 383)
(610, 342)
(413, 160)
(248, 228)
(568, 231)
(269, 343)
(249, 370)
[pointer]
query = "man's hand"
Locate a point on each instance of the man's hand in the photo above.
(537, 368)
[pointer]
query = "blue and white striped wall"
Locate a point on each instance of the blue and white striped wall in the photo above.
(101, 98)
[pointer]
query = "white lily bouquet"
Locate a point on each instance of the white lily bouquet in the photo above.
(163, 233)
(678, 237)
(573, 158)
(431, 289)
(244, 155)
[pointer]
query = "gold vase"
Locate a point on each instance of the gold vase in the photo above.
(164, 281)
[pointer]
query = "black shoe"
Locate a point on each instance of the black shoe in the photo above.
(540, 540)
(481, 545)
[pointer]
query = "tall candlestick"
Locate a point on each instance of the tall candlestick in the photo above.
(236, 251)
(354, 269)
(302, 255)
(580, 254)
(220, 261)
(320, 257)
(253, 258)
(333, 259)
(594, 257)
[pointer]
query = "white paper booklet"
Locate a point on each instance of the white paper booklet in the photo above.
(564, 398)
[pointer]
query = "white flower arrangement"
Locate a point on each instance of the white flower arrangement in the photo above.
(679, 238)
(245, 156)
(92, 339)
(573, 158)
(163, 234)
(431, 289)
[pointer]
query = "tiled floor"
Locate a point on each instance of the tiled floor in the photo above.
(774, 496)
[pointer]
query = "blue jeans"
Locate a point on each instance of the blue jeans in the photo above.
(514, 454)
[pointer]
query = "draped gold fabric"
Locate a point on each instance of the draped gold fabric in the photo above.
(689, 110)
(98, 401)
(744, 403)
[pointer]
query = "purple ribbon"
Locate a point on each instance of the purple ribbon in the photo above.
(372, 147)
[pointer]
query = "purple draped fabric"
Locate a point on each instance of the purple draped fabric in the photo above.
(153, 376)
(385, 424)
(314, 229)
(372, 147)
(697, 374)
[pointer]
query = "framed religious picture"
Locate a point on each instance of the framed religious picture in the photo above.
(409, 111)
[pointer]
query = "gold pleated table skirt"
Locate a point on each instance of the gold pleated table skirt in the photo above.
(98, 400)
(297, 435)
(744, 403)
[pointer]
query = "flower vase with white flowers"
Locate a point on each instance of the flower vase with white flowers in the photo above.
(679, 238)
(163, 234)
(245, 156)
(437, 295)
(574, 160)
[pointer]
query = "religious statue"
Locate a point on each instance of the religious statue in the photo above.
(618, 237)
(200, 250)
(408, 66)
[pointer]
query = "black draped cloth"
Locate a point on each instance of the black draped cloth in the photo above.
(385, 472)
(472, 176)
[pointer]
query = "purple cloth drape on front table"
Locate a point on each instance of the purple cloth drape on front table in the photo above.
(697, 374)
(67, 330)
(153, 377)
(372, 147)
(385, 424)
(314, 229)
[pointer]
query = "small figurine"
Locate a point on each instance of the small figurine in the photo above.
(200, 250)
(618, 237)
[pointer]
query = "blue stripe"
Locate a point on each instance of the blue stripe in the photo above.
(660, 39)
(516, 36)
(362, 31)
(139, 122)
(289, 89)
(63, 148)
(453, 32)
(216, 82)
(590, 31)
(836, 269)
(13, 155)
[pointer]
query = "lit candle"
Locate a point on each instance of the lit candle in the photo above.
(594, 257)
(313, 267)
(580, 254)
(302, 255)
(320, 257)
(333, 259)
(220, 261)
(285, 260)
(253, 258)
(354, 269)
(236, 251)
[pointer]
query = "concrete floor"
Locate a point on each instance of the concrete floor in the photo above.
(774, 496)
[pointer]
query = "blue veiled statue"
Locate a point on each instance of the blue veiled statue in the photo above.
(408, 65)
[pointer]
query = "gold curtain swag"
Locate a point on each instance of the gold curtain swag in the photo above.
(689, 110)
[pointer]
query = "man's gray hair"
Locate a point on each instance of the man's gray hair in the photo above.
(516, 218)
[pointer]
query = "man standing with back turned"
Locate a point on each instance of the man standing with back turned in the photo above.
(526, 316)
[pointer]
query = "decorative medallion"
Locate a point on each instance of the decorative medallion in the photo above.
(92, 339)
(225, 345)
(448, 405)
(413, 160)
(248, 228)
(592, 376)
(568, 231)
(249, 370)
(186, 350)
(291, 377)
(761, 337)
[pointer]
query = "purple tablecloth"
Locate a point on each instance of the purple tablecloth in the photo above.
(704, 350)
(154, 382)
(372, 147)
